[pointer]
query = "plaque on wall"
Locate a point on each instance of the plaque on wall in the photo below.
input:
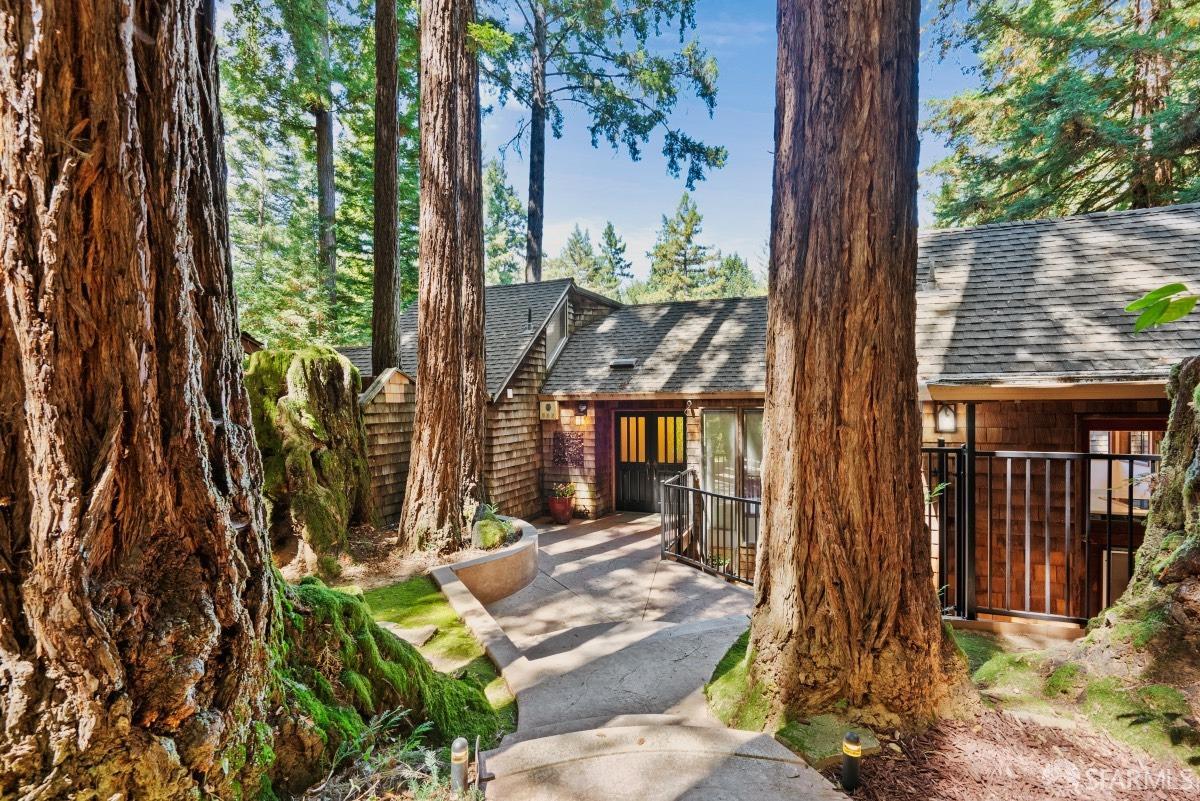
(548, 410)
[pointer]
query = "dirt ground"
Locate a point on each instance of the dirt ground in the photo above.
(373, 560)
(999, 757)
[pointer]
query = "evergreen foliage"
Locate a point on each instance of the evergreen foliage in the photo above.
(503, 226)
(1081, 107)
(275, 67)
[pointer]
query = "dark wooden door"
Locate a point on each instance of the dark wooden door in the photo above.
(650, 447)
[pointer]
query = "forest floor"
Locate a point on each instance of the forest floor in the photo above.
(373, 560)
(1048, 731)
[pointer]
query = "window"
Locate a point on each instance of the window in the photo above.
(556, 333)
(1120, 485)
(733, 444)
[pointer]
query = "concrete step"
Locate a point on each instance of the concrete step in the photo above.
(604, 722)
(652, 763)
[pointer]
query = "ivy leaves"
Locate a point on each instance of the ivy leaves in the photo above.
(1161, 306)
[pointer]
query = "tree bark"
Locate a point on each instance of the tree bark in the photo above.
(470, 248)
(1151, 180)
(537, 148)
(432, 514)
(385, 310)
(326, 202)
(845, 606)
(135, 589)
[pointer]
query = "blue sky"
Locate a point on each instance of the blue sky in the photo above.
(587, 186)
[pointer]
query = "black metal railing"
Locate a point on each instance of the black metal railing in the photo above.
(1037, 534)
(1034, 534)
(714, 532)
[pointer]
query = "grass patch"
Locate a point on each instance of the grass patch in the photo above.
(1151, 717)
(1062, 681)
(976, 646)
(731, 696)
(418, 602)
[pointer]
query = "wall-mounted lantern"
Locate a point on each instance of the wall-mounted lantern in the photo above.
(688, 411)
(581, 409)
(945, 418)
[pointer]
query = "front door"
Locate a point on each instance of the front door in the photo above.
(649, 448)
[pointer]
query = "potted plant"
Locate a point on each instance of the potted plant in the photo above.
(562, 503)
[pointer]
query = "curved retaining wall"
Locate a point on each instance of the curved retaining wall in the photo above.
(509, 569)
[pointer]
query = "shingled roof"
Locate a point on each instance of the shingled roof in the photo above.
(1044, 300)
(1007, 303)
(688, 347)
(508, 311)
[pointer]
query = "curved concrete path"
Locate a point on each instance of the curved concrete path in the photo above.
(616, 647)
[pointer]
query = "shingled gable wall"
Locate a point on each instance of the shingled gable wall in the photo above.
(515, 458)
(388, 406)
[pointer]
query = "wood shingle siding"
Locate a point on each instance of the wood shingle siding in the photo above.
(388, 412)
(512, 459)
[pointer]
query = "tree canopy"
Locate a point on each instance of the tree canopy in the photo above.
(274, 66)
(1081, 107)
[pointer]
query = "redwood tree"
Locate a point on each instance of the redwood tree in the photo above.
(449, 302)
(844, 603)
(135, 589)
(385, 310)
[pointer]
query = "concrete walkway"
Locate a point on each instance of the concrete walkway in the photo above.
(617, 646)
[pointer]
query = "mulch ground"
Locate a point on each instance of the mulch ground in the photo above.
(998, 757)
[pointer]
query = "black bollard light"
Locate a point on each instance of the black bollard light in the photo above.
(851, 759)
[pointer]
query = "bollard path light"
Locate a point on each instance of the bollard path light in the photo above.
(459, 754)
(851, 758)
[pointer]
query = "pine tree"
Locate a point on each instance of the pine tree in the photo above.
(615, 268)
(1081, 107)
(599, 57)
(730, 277)
(678, 259)
(577, 259)
(274, 210)
(504, 226)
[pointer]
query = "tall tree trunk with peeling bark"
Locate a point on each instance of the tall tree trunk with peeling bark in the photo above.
(1151, 176)
(535, 216)
(432, 514)
(385, 310)
(845, 606)
(470, 248)
(135, 581)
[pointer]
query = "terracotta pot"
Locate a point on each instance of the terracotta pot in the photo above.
(561, 509)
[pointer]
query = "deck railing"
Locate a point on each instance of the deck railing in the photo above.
(714, 532)
(1046, 535)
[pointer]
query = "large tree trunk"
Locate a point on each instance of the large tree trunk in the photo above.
(135, 589)
(1151, 181)
(470, 248)
(326, 202)
(1154, 627)
(385, 310)
(844, 602)
(537, 148)
(432, 515)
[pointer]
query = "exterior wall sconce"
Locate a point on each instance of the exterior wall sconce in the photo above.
(688, 411)
(945, 418)
(581, 409)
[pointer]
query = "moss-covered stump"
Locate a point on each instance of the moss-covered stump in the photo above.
(310, 432)
(335, 670)
(1152, 632)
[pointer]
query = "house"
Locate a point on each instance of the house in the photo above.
(1042, 409)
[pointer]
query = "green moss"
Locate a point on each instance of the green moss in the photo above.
(732, 696)
(418, 602)
(819, 739)
(1140, 632)
(1062, 681)
(310, 432)
(1151, 717)
(976, 647)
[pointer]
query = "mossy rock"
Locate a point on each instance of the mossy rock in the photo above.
(310, 431)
